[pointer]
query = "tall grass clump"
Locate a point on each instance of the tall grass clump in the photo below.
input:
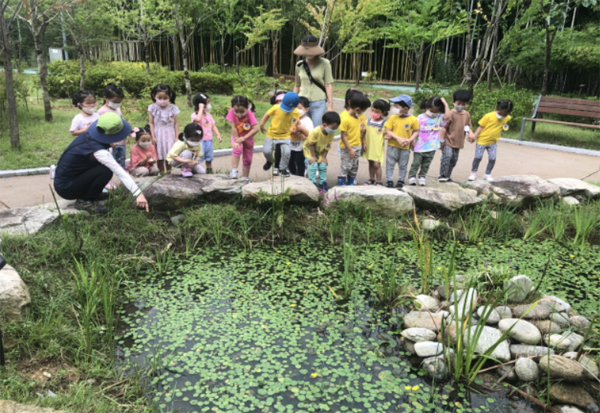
(424, 249)
(475, 223)
(585, 220)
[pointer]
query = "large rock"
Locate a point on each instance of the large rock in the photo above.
(492, 315)
(173, 192)
(562, 368)
(526, 369)
(424, 319)
(14, 295)
(504, 311)
(568, 409)
(29, 220)
(547, 326)
(489, 336)
(575, 339)
(418, 334)
(301, 190)
(518, 350)
(580, 322)
(557, 341)
(423, 301)
(574, 395)
(522, 331)
(436, 367)
(466, 304)
(535, 311)
(588, 363)
(387, 201)
(428, 348)
(555, 304)
(443, 196)
(517, 288)
(7, 406)
(521, 190)
(573, 186)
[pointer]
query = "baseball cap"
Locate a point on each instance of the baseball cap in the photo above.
(289, 102)
(109, 128)
(402, 98)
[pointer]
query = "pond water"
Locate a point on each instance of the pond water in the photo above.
(233, 331)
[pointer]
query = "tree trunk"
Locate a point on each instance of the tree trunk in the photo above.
(147, 55)
(10, 89)
(490, 74)
(81, 67)
(186, 73)
(419, 63)
(38, 29)
(549, 40)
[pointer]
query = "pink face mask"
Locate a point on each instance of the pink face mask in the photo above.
(162, 103)
(376, 116)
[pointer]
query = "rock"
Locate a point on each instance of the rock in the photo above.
(174, 192)
(576, 187)
(177, 219)
(517, 288)
(508, 372)
(424, 319)
(493, 316)
(466, 304)
(575, 339)
(428, 348)
(301, 190)
(580, 322)
(535, 311)
(571, 394)
(526, 369)
(546, 326)
(561, 368)
(521, 190)
(443, 196)
(555, 304)
(442, 292)
(483, 189)
(570, 201)
(489, 336)
(410, 346)
(436, 368)
(568, 409)
(430, 224)
(522, 331)
(418, 334)
(557, 342)
(382, 200)
(589, 364)
(29, 220)
(518, 350)
(562, 319)
(7, 406)
(14, 294)
(504, 311)
(426, 302)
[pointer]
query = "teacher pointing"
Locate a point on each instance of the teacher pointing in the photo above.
(314, 79)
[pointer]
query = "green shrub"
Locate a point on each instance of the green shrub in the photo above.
(21, 90)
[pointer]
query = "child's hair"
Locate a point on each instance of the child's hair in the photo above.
(434, 102)
(244, 102)
(304, 102)
(461, 95)
(383, 105)
(276, 95)
(505, 104)
(199, 99)
(349, 93)
(191, 130)
(331, 118)
(80, 96)
(163, 88)
(113, 91)
(359, 100)
(137, 133)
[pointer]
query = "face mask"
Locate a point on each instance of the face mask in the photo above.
(330, 131)
(302, 112)
(191, 143)
(113, 105)
(429, 113)
(357, 115)
(459, 108)
(163, 103)
(144, 145)
(395, 111)
(376, 116)
(249, 107)
(499, 116)
(208, 107)
(89, 110)
(241, 116)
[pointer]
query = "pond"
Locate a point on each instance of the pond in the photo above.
(261, 331)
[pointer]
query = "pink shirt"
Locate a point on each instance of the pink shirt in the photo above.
(244, 124)
(105, 109)
(207, 125)
(138, 154)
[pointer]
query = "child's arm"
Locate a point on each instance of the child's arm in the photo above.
(79, 132)
(302, 129)
(313, 154)
(388, 134)
(413, 137)
(446, 109)
(189, 162)
(351, 151)
(200, 113)
(151, 122)
(176, 125)
(474, 136)
(216, 132)
(253, 131)
(234, 135)
(324, 156)
(263, 122)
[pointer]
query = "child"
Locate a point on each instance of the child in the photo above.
(431, 124)
(352, 127)
(86, 102)
(203, 118)
(275, 99)
(285, 116)
(459, 125)
(297, 165)
(401, 130)
(187, 152)
(143, 154)
(113, 96)
(164, 126)
(243, 128)
(316, 147)
(487, 134)
(374, 143)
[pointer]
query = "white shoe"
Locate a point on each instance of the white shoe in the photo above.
(488, 178)
(422, 181)
(275, 172)
(233, 174)
(412, 181)
(473, 176)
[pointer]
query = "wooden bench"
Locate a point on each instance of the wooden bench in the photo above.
(563, 106)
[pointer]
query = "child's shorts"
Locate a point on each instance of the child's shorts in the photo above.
(246, 149)
(207, 151)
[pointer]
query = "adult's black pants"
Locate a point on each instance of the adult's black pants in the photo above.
(88, 186)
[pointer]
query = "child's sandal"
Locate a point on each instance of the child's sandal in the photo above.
(379, 184)
(370, 182)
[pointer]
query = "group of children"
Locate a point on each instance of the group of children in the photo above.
(293, 145)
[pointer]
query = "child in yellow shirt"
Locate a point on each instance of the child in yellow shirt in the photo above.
(317, 146)
(352, 127)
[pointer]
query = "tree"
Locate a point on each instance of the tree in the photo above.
(227, 25)
(5, 25)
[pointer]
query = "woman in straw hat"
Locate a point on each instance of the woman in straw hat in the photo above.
(314, 79)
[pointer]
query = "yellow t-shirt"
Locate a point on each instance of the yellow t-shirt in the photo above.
(181, 146)
(321, 140)
(402, 127)
(282, 122)
(492, 128)
(351, 126)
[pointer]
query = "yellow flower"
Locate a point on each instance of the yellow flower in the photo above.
(415, 388)
(439, 268)
(314, 375)
(407, 388)
(572, 256)
(278, 252)
(288, 263)
(292, 305)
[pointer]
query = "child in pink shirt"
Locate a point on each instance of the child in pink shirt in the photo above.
(243, 128)
(201, 117)
(143, 154)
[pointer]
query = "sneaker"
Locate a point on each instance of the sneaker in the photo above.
(245, 178)
(209, 171)
(422, 181)
(412, 181)
(389, 184)
(341, 181)
(351, 180)
(488, 178)
(267, 166)
(233, 174)
(450, 181)
(399, 184)
(370, 182)
(284, 172)
(473, 176)
(275, 172)
(93, 207)
(186, 172)
(443, 179)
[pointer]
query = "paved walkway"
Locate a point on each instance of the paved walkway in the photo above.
(512, 159)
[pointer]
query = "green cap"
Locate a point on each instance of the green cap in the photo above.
(109, 128)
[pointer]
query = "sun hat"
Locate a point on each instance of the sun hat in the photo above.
(309, 48)
(402, 98)
(289, 102)
(110, 128)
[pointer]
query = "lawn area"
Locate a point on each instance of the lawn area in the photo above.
(558, 134)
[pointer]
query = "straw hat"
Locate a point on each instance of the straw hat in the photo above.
(309, 49)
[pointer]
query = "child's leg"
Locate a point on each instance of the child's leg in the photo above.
(345, 165)
(292, 166)
(268, 150)
(312, 172)
(298, 162)
(371, 170)
(139, 171)
(208, 153)
(354, 165)
(377, 174)
(154, 170)
(416, 164)
(403, 158)
(392, 156)
(492, 150)
(322, 167)
(285, 146)
(445, 162)
(479, 149)
(277, 155)
(198, 169)
(427, 158)
(453, 160)
(187, 155)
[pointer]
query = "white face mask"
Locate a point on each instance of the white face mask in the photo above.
(302, 112)
(429, 113)
(89, 110)
(459, 108)
(395, 111)
(330, 131)
(499, 116)
(192, 143)
(144, 145)
(208, 107)
(249, 107)
(113, 105)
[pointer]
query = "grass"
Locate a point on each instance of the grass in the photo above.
(558, 135)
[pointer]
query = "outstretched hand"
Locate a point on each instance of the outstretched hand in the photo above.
(142, 203)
